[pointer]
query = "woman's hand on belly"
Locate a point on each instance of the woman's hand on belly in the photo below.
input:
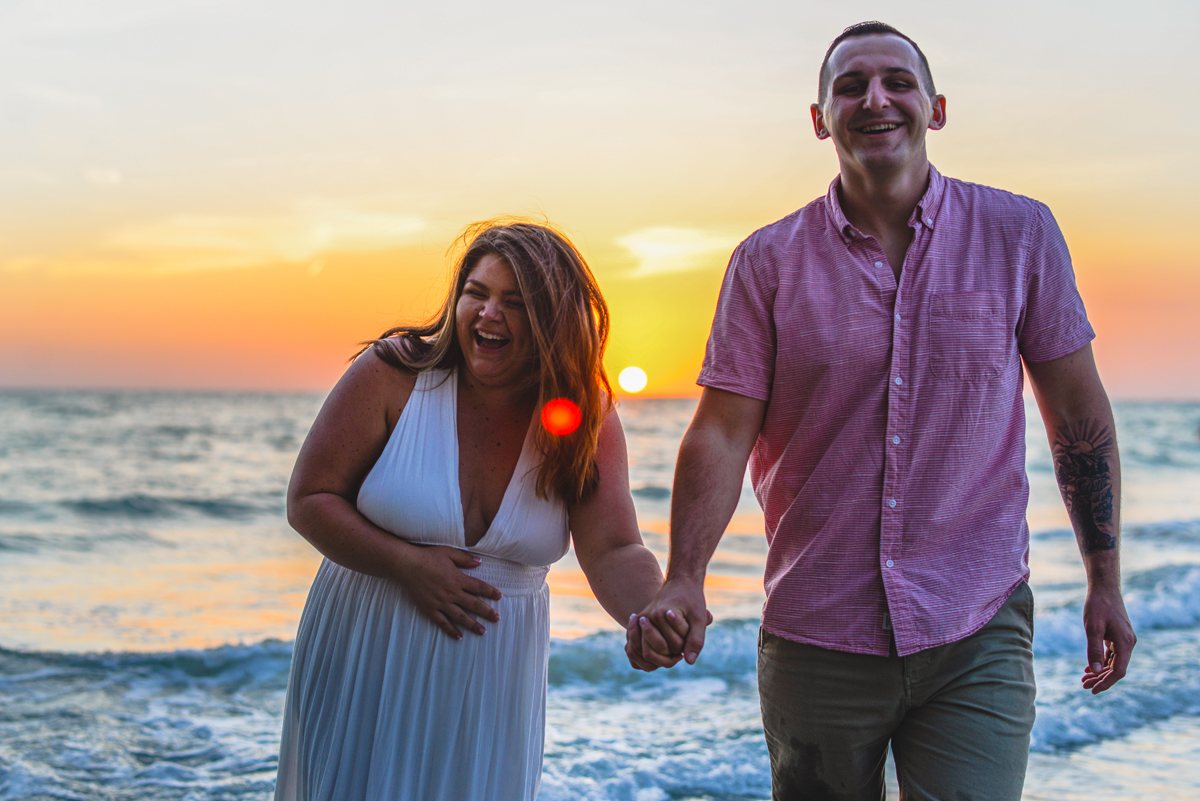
(346, 439)
(433, 579)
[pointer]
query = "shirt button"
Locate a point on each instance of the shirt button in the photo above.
(878, 264)
(890, 563)
(895, 440)
(899, 380)
(929, 221)
(892, 502)
(897, 318)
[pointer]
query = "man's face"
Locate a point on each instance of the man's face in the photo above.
(876, 111)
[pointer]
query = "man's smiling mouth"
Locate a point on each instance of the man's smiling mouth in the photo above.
(879, 127)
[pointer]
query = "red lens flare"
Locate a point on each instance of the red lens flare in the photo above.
(560, 416)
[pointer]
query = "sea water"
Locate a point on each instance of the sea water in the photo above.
(150, 589)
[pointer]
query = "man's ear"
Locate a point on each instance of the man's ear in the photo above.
(819, 122)
(938, 119)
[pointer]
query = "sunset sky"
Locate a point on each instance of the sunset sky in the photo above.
(231, 194)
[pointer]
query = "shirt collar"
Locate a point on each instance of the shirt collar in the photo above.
(925, 213)
(927, 208)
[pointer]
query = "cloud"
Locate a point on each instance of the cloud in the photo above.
(188, 242)
(672, 250)
(196, 242)
(56, 97)
(102, 176)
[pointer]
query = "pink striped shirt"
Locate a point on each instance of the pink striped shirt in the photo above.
(891, 462)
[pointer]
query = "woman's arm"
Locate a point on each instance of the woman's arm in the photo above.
(622, 572)
(345, 441)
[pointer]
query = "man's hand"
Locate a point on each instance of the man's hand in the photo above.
(1110, 639)
(634, 647)
(670, 628)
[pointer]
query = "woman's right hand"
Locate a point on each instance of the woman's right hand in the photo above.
(432, 576)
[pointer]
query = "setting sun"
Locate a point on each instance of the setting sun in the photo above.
(632, 379)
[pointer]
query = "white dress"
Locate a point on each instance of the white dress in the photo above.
(383, 705)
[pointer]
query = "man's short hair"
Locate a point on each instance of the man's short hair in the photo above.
(873, 27)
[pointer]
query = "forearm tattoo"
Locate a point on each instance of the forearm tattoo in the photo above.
(1083, 455)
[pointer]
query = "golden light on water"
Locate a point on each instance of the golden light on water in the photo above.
(632, 379)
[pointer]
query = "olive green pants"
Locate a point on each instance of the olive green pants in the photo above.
(958, 716)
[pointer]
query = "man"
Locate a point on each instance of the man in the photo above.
(866, 358)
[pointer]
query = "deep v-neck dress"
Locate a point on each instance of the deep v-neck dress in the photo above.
(381, 704)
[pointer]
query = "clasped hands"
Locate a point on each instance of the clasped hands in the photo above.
(671, 628)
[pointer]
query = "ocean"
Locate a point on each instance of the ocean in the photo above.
(150, 589)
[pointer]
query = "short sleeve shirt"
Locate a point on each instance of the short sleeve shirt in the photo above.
(891, 462)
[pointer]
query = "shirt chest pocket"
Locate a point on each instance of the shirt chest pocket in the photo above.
(969, 338)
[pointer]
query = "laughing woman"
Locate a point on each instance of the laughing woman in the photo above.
(439, 502)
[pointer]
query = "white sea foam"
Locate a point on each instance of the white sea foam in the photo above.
(92, 483)
(1162, 682)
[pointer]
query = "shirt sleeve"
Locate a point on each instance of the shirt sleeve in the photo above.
(1053, 321)
(740, 356)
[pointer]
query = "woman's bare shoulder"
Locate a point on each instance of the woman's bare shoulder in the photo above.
(373, 382)
(610, 440)
(352, 428)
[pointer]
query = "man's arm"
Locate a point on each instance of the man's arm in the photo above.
(708, 482)
(1083, 441)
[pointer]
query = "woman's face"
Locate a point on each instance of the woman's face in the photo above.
(493, 325)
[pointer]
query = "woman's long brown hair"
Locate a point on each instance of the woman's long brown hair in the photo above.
(569, 321)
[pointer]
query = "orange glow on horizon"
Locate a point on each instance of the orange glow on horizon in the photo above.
(281, 327)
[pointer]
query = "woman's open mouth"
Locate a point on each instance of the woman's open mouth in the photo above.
(485, 341)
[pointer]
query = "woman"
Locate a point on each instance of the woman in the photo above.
(439, 503)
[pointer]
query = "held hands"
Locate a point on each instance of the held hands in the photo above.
(434, 581)
(670, 628)
(1110, 639)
